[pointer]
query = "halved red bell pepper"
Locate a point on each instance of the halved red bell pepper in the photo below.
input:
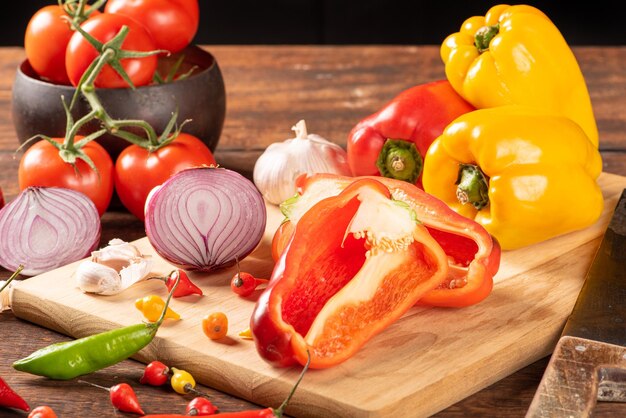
(473, 254)
(355, 263)
(393, 141)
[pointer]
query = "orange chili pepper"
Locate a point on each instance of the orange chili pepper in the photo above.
(215, 325)
(152, 306)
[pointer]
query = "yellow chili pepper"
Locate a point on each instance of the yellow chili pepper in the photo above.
(246, 334)
(182, 381)
(516, 55)
(152, 306)
(524, 174)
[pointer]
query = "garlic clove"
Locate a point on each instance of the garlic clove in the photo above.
(117, 255)
(136, 271)
(92, 277)
(113, 268)
(5, 297)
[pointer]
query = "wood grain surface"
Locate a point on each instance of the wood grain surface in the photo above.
(580, 372)
(268, 89)
(534, 292)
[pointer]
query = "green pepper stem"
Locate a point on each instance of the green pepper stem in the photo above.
(472, 186)
(484, 35)
(400, 159)
(94, 385)
(281, 409)
(13, 276)
(167, 302)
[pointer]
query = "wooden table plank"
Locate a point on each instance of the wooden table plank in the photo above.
(269, 88)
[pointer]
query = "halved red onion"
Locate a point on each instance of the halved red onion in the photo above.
(205, 218)
(47, 227)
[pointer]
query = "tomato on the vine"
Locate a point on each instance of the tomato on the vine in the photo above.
(172, 23)
(103, 27)
(45, 42)
(138, 171)
(41, 165)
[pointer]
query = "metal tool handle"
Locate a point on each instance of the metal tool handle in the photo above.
(569, 387)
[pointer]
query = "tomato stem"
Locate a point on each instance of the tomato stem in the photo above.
(110, 53)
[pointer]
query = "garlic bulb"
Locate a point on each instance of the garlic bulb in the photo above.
(113, 269)
(278, 167)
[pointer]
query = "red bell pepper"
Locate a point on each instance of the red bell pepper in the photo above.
(473, 254)
(356, 262)
(393, 141)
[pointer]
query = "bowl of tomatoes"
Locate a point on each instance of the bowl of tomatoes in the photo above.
(183, 78)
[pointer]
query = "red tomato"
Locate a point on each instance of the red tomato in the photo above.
(41, 165)
(1, 199)
(80, 53)
(138, 171)
(45, 41)
(172, 23)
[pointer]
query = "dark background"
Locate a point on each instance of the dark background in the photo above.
(359, 21)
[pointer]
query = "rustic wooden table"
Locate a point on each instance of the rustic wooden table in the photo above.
(269, 88)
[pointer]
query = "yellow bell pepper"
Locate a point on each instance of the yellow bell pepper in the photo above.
(516, 55)
(524, 174)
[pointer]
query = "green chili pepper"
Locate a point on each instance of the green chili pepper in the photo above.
(70, 359)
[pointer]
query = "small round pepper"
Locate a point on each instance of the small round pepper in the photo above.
(182, 381)
(200, 406)
(155, 374)
(42, 412)
(215, 325)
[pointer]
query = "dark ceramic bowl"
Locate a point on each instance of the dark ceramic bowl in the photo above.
(38, 109)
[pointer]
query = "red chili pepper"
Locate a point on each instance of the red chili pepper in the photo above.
(200, 406)
(362, 249)
(10, 398)
(185, 286)
(123, 397)
(244, 284)
(393, 141)
(42, 412)
(155, 374)
(257, 413)
(474, 256)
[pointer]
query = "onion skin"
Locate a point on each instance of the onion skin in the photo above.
(47, 227)
(205, 218)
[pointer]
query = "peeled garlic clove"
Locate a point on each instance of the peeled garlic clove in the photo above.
(136, 271)
(117, 255)
(92, 277)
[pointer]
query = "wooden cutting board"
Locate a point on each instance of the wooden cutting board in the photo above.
(426, 361)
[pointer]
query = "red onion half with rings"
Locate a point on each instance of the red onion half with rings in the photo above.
(205, 218)
(47, 227)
